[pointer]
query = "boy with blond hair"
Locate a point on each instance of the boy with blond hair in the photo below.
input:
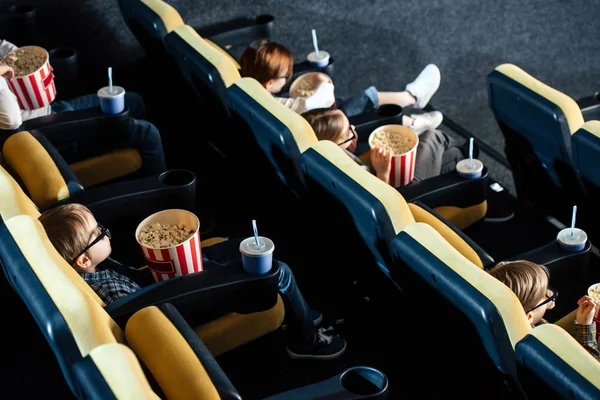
(529, 281)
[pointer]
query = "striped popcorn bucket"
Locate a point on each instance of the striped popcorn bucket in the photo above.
(403, 165)
(35, 90)
(184, 258)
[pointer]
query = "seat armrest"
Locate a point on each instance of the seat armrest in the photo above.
(238, 31)
(171, 189)
(205, 295)
(486, 260)
(56, 125)
(449, 189)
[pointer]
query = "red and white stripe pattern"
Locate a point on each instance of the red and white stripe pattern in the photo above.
(403, 168)
(183, 259)
(35, 90)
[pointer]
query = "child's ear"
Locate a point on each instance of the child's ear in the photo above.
(530, 318)
(269, 84)
(83, 261)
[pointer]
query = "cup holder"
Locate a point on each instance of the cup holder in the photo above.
(364, 381)
(177, 177)
(264, 19)
(62, 53)
(389, 110)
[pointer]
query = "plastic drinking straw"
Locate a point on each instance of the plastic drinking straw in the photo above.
(255, 233)
(471, 153)
(314, 35)
(573, 221)
(110, 79)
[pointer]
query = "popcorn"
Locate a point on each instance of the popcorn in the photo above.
(392, 141)
(25, 60)
(594, 293)
(160, 236)
(305, 89)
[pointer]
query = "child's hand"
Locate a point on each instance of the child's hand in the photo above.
(586, 310)
(382, 162)
(6, 71)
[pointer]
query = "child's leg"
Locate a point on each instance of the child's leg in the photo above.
(302, 326)
(367, 101)
(403, 99)
(431, 154)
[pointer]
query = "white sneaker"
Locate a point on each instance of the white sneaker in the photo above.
(426, 84)
(426, 121)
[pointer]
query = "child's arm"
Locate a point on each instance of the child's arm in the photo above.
(585, 329)
(10, 113)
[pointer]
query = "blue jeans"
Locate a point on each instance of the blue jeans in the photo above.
(360, 103)
(302, 328)
(133, 101)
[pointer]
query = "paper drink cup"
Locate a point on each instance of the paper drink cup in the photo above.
(257, 260)
(34, 90)
(473, 170)
(112, 102)
(181, 259)
(403, 165)
(318, 61)
(571, 243)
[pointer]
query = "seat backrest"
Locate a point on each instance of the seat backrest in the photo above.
(68, 312)
(278, 134)
(436, 270)
(112, 371)
(586, 152)
(552, 364)
(42, 170)
(207, 70)
(150, 21)
(357, 202)
(534, 118)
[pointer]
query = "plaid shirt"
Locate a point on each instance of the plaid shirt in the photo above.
(586, 336)
(110, 285)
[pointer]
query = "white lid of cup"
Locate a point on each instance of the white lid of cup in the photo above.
(312, 56)
(463, 166)
(248, 246)
(117, 91)
(565, 238)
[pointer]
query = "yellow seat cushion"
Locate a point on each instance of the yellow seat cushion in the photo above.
(106, 167)
(168, 356)
(13, 201)
(28, 158)
(234, 330)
